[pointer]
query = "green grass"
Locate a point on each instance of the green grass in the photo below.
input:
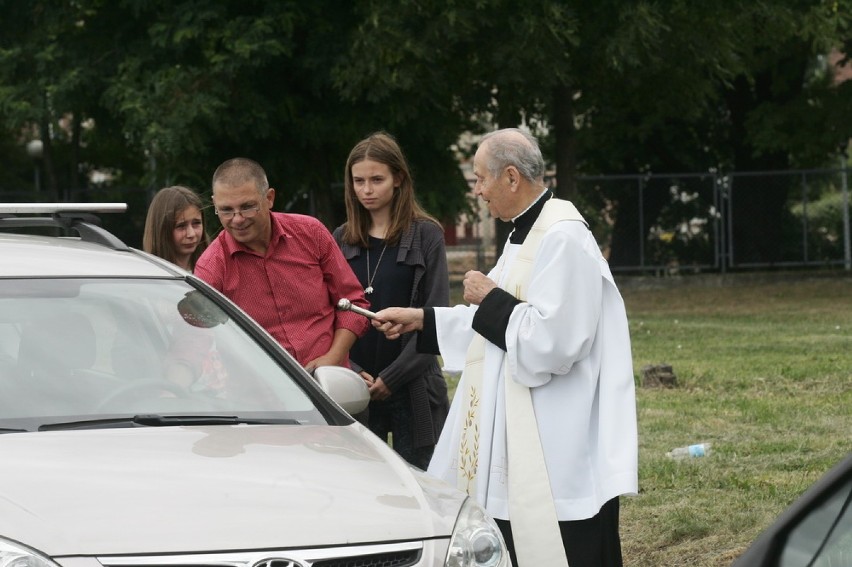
(764, 369)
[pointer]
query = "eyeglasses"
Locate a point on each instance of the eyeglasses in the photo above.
(245, 212)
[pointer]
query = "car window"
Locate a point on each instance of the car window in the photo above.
(89, 348)
(824, 537)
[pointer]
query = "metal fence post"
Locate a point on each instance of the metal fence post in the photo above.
(728, 197)
(718, 251)
(804, 218)
(847, 247)
(641, 224)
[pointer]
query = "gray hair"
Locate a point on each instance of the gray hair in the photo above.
(237, 171)
(513, 146)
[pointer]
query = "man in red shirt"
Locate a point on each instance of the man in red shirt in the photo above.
(285, 270)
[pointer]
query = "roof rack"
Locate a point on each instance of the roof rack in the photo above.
(75, 216)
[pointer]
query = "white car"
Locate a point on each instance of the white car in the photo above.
(109, 459)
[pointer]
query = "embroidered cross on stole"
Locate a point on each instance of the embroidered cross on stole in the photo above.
(535, 527)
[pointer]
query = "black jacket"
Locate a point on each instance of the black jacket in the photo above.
(422, 246)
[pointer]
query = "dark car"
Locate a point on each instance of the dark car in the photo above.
(815, 531)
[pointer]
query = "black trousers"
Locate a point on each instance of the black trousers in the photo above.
(588, 543)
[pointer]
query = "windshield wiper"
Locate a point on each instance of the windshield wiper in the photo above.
(12, 430)
(157, 420)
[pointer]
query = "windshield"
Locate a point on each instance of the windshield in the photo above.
(90, 349)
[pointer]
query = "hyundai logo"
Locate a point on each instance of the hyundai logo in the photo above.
(276, 562)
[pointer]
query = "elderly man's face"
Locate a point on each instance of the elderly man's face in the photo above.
(494, 190)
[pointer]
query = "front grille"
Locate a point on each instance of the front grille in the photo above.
(408, 554)
(394, 559)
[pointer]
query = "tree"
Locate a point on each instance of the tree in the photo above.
(701, 87)
(468, 64)
(48, 69)
(157, 92)
(252, 78)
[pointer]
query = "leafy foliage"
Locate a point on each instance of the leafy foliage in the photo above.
(148, 93)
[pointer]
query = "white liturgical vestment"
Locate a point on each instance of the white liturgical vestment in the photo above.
(569, 343)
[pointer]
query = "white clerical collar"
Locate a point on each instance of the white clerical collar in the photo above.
(531, 205)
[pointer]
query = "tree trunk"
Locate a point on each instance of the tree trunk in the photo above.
(50, 186)
(74, 189)
(625, 246)
(566, 147)
(758, 211)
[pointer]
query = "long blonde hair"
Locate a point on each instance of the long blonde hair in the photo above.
(381, 147)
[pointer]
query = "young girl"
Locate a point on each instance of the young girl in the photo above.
(174, 231)
(174, 227)
(397, 251)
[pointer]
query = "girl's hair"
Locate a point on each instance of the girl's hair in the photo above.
(381, 147)
(158, 238)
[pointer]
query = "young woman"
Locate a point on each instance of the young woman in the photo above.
(174, 227)
(397, 251)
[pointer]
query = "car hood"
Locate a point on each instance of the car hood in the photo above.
(213, 488)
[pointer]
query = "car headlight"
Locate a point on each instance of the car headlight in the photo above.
(16, 555)
(476, 541)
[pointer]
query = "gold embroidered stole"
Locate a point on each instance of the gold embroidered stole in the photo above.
(532, 512)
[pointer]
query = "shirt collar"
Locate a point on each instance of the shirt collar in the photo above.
(523, 222)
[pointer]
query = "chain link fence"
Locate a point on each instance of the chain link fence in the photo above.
(665, 224)
(719, 222)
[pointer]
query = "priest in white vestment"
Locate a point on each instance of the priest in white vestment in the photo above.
(542, 428)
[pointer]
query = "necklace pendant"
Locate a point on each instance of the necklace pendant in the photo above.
(369, 289)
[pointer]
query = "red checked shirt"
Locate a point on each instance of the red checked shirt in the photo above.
(293, 290)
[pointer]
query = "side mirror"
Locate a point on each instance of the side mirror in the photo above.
(344, 386)
(199, 311)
